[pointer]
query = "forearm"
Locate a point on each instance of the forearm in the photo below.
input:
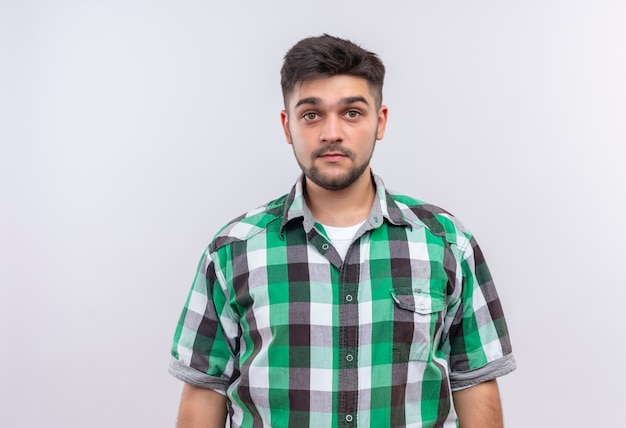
(201, 408)
(479, 406)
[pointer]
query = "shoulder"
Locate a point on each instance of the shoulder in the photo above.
(437, 220)
(246, 226)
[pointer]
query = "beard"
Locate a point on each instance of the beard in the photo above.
(329, 181)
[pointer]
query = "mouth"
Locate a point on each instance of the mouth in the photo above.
(333, 156)
(332, 153)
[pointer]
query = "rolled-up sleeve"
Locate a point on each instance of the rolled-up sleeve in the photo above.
(479, 343)
(203, 348)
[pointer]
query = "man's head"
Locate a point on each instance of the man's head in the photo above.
(333, 112)
(327, 56)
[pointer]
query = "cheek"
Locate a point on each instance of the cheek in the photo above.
(299, 149)
(298, 134)
(367, 134)
(304, 138)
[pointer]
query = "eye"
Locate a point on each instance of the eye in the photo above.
(310, 116)
(353, 114)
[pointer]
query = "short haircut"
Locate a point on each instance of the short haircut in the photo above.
(327, 56)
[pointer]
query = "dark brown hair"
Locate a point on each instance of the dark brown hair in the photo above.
(327, 56)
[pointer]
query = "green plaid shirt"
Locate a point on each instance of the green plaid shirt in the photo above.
(296, 336)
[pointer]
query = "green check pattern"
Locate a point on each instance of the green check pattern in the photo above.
(296, 336)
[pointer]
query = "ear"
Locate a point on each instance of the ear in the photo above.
(284, 121)
(383, 112)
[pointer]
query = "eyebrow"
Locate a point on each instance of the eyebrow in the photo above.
(345, 101)
(310, 100)
(354, 99)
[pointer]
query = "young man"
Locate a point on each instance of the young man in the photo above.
(341, 304)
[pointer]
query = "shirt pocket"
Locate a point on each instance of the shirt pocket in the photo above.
(418, 313)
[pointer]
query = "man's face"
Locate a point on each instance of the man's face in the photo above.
(332, 124)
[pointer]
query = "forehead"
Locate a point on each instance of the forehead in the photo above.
(331, 90)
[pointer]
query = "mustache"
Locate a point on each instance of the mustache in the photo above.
(330, 149)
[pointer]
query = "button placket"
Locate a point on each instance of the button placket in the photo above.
(348, 337)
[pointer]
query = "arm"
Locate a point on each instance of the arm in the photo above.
(201, 408)
(479, 406)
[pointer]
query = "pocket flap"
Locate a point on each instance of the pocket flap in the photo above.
(418, 300)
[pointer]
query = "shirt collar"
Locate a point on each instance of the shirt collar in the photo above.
(384, 207)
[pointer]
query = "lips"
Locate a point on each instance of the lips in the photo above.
(332, 152)
(333, 157)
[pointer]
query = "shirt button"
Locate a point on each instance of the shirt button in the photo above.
(349, 357)
(349, 298)
(422, 306)
(348, 418)
(325, 246)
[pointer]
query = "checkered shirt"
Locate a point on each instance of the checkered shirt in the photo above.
(296, 336)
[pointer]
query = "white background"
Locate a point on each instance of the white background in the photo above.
(130, 131)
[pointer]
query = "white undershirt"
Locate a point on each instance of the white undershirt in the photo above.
(341, 237)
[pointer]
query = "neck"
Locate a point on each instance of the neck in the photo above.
(345, 207)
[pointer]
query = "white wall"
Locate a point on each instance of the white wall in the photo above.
(131, 130)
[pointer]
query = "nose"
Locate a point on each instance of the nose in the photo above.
(331, 131)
